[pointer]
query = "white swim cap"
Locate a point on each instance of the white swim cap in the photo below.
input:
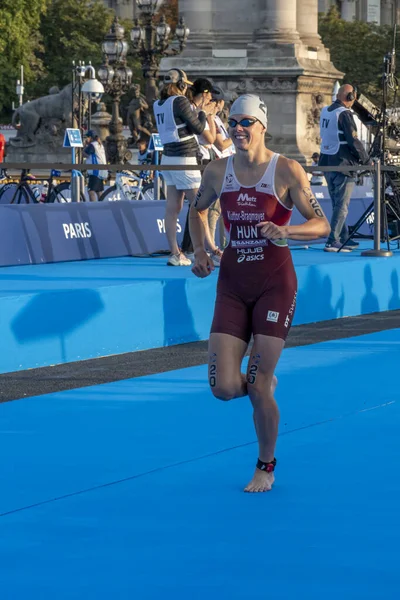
(251, 105)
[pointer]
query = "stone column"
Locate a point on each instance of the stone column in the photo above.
(198, 16)
(256, 48)
(323, 6)
(278, 18)
(307, 22)
(348, 11)
(387, 13)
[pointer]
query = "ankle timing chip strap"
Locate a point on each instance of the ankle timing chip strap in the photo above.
(266, 466)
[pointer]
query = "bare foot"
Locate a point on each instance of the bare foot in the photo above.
(261, 482)
(274, 384)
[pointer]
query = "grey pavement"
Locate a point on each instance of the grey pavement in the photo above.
(45, 380)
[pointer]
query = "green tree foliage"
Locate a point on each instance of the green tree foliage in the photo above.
(170, 9)
(358, 50)
(45, 36)
(71, 30)
(20, 39)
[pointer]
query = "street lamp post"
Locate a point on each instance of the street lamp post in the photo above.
(116, 78)
(93, 90)
(151, 42)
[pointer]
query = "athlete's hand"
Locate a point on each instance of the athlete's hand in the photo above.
(271, 231)
(203, 264)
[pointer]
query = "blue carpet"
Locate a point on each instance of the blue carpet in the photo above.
(138, 486)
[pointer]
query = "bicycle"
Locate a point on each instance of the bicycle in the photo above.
(130, 186)
(28, 190)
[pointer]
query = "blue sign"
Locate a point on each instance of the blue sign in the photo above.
(72, 139)
(83, 230)
(155, 143)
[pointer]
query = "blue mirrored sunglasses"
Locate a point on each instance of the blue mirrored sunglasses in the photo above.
(243, 122)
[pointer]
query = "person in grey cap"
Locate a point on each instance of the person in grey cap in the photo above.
(257, 285)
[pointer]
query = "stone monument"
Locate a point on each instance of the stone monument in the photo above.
(270, 48)
(40, 126)
(139, 120)
(100, 121)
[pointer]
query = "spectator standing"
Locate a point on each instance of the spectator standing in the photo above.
(178, 125)
(317, 177)
(340, 146)
(95, 155)
(145, 156)
(223, 147)
(200, 94)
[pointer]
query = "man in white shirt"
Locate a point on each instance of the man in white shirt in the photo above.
(95, 155)
(317, 177)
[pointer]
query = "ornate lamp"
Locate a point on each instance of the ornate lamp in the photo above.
(114, 47)
(163, 31)
(106, 74)
(116, 78)
(137, 33)
(149, 6)
(182, 32)
(152, 41)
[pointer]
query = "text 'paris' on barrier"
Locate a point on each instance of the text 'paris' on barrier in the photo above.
(33, 234)
(79, 231)
(45, 233)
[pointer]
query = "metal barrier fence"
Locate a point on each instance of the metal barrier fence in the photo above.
(121, 167)
(376, 169)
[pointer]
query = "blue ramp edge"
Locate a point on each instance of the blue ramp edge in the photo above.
(57, 313)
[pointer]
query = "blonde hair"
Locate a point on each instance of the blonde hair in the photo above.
(171, 89)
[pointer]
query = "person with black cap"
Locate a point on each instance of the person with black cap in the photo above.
(223, 147)
(200, 93)
(257, 285)
(178, 125)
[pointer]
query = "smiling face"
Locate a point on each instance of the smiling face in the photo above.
(246, 137)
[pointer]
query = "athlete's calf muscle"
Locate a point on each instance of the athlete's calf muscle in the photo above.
(212, 370)
(253, 369)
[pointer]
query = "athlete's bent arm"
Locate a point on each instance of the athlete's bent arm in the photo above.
(299, 191)
(198, 222)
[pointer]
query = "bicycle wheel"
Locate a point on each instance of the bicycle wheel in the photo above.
(147, 193)
(7, 192)
(62, 193)
(13, 193)
(111, 194)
